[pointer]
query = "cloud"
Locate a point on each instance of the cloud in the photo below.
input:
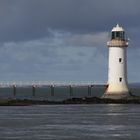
(30, 20)
(65, 39)
(52, 59)
(93, 40)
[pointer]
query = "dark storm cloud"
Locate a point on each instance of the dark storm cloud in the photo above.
(39, 39)
(31, 19)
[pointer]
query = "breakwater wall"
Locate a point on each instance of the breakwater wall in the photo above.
(54, 92)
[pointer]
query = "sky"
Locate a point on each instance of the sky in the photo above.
(65, 40)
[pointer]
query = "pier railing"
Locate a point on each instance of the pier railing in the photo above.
(50, 90)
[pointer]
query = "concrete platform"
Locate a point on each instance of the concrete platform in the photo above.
(116, 95)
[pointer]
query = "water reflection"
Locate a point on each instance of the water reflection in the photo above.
(70, 122)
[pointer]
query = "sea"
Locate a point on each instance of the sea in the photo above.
(67, 122)
(70, 122)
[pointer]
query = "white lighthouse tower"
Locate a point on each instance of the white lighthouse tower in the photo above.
(117, 70)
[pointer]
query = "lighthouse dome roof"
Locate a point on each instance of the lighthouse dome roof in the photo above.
(117, 29)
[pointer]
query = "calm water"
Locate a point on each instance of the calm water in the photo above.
(70, 122)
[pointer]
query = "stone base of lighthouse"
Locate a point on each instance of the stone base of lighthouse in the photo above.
(116, 92)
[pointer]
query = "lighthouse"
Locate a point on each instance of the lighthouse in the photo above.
(117, 87)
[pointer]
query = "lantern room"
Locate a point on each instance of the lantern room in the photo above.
(118, 33)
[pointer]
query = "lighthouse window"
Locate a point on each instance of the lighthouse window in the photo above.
(123, 36)
(113, 35)
(117, 34)
(120, 60)
(120, 79)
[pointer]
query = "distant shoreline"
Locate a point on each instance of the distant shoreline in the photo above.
(91, 100)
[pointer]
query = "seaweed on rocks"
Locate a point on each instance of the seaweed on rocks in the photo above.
(86, 100)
